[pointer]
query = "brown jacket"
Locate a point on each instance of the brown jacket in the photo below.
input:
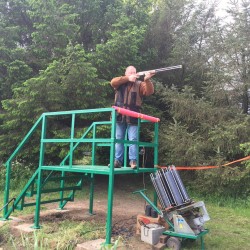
(129, 95)
(146, 88)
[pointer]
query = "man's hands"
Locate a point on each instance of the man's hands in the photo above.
(148, 75)
(132, 78)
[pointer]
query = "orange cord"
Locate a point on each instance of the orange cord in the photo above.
(207, 167)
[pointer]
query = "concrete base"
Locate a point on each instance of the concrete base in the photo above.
(2, 222)
(90, 245)
(97, 245)
(11, 220)
(26, 228)
(54, 211)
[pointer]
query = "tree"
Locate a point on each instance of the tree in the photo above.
(95, 18)
(15, 33)
(237, 51)
(54, 27)
(116, 54)
(67, 84)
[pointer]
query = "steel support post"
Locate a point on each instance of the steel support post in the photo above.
(156, 142)
(62, 183)
(91, 194)
(7, 189)
(72, 132)
(111, 181)
(156, 134)
(38, 200)
(39, 181)
(202, 243)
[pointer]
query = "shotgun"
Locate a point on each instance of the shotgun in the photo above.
(154, 71)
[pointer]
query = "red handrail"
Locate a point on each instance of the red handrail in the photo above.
(135, 114)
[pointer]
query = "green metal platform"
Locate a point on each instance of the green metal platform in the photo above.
(36, 185)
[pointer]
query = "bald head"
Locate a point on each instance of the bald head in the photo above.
(130, 70)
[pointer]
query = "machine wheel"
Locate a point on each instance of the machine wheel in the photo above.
(174, 243)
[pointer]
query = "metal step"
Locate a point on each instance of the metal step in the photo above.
(20, 207)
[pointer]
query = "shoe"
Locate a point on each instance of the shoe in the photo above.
(117, 164)
(133, 164)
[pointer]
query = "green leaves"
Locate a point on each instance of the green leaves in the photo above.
(54, 27)
(61, 55)
(121, 50)
(67, 84)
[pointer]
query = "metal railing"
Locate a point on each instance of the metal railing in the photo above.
(67, 164)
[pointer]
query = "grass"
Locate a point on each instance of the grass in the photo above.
(64, 235)
(229, 229)
(229, 225)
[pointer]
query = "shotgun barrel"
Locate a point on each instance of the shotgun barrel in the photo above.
(154, 71)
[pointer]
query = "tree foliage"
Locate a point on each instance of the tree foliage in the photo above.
(66, 84)
(61, 55)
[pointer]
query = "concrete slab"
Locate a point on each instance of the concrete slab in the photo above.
(25, 228)
(54, 211)
(11, 220)
(90, 245)
(2, 222)
(97, 244)
(15, 219)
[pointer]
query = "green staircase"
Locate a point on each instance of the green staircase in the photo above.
(30, 190)
(64, 173)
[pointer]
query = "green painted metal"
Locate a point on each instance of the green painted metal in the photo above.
(82, 111)
(42, 145)
(171, 231)
(62, 183)
(25, 140)
(56, 190)
(111, 181)
(38, 201)
(189, 236)
(89, 137)
(137, 144)
(8, 165)
(155, 198)
(7, 189)
(21, 195)
(125, 157)
(91, 193)
(71, 194)
(156, 143)
(94, 145)
(18, 207)
(141, 192)
(72, 137)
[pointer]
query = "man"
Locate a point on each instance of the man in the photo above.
(129, 92)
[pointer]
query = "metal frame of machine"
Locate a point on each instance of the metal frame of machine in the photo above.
(185, 217)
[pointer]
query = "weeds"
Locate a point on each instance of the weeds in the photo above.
(113, 246)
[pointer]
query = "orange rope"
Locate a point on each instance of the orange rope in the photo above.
(242, 159)
(207, 167)
(196, 168)
(191, 168)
